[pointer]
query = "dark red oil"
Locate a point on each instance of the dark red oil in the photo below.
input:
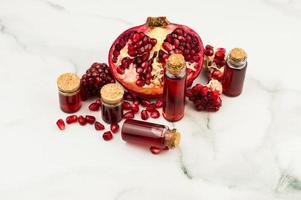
(146, 133)
(111, 113)
(70, 104)
(174, 98)
(233, 80)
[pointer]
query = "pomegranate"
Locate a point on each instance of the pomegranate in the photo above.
(137, 57)
(95, 77)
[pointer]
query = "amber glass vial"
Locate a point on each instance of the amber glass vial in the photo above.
(111, 96)
(69, 92)
(150, 134)
(234, 73)
(174, 88)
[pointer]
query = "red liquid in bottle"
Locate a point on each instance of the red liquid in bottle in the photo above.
(146, 133)
(174, 98)
(233, 81)
(70, 103)
(111, 113)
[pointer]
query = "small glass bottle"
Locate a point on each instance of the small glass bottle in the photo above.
(174, 88)
(234, 72)
(111, 97)
(150, 134)
(69, 92)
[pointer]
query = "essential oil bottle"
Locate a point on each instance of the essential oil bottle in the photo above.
(234, 72)
(111, 97)
(149, 134)
(174, 88)
(69, 92)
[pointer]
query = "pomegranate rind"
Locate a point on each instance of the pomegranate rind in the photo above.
(156, 91)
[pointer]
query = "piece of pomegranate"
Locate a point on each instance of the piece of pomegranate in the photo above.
(137, 57)
(154, 114)
(128, 115)
(99, 126)
(107, 135)
(90, 119)
(71, 119)
(114, 127)
(95, 77)
(94, 106)
(60, 124)
(82, 120)
(144, 115)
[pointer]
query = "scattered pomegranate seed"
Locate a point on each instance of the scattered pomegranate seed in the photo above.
(135, 108)
(94, 106)
(81, 120)
(155, 114)
(128, 115)
(155, 150)
(61, 124)
(144, 115)
(107, 135)
(71, 119)
(126, 105)
(159, 103)
(128, 96)
(151, 107)
(136, 101)
(114, 127)
(99, 126)
(98, 101)
(90, 119)
(145, 102)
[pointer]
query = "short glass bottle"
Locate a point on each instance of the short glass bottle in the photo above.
(69, 92)
(234, 72)
(111, 97)
(174, 88)
(150, 134)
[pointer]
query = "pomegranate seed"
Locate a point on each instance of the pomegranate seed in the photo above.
(61, 124)
(81, 120)
(220, 54)
(128, 115)
(159, 103)
(99, 126)
(71, 119)
(144, 115)
(153, 41)
(155, 114)
(114, 127)
(145, 102)
(140, 82)
(120, 70)
(128, 96)
(126, 105)
(90, 119)
(135, 108)
(179, 31)
(208, 52)
(107, 135)
(209, 47)
(94, 107)
(151, 107)
(167, 46)
(223, 50)
(155, 150)
(135, 37)
(216, 74)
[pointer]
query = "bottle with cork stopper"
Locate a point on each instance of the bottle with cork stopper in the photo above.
(69, 92)
(111, 97)
(174, 88)
(150, 134)
(234, 72)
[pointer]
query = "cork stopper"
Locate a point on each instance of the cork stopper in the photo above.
(238, 55)
(176, 64)
(172, 138)
(111, 93)
(68, 82)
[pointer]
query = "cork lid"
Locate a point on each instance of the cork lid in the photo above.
(68, 82)
(111, 93)
(172, 138)
(237, 55)
(176, 64)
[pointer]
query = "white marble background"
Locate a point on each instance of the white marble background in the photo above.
(248, 150)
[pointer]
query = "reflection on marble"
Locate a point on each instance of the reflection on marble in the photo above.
(248, 150)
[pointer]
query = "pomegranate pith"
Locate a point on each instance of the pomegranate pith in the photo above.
(137, 57)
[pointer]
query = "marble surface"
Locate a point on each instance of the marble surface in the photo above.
(248, 150)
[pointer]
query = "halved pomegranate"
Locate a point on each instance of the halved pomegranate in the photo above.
(137, 57)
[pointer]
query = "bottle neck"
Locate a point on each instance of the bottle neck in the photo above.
(181, 74)
(236, 64)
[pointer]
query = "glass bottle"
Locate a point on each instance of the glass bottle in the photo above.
(69, 92)
(150, 134)
(111, 97)
(234, 72)
(174, 88)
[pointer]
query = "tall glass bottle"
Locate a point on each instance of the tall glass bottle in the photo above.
(174, 88)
